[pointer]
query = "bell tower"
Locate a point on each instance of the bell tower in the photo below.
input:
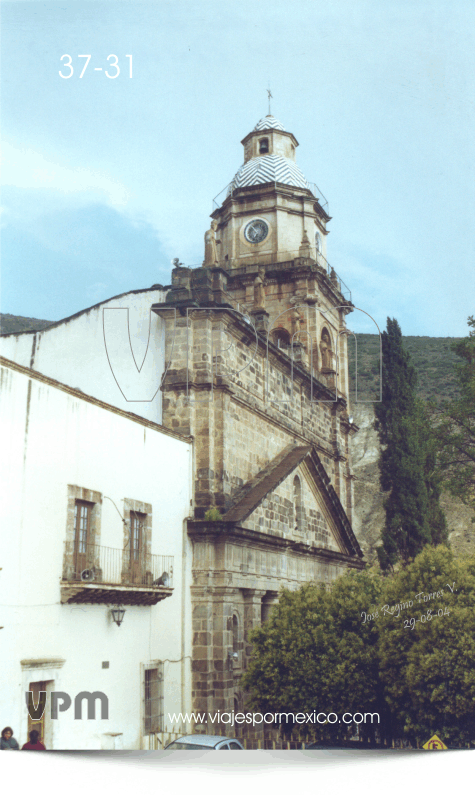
(268, 240)
(270, 212)
(266, 405)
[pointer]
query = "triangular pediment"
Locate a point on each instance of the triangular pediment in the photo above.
(251, 495)
(292, 497)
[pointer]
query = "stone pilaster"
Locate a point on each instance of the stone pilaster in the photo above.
(252, 616)
(213, 665)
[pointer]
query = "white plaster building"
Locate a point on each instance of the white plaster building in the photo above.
(93, 506)
(73, 351)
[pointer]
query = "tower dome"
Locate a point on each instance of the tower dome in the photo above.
(269, 123)
(269, 156)
(270, 212)
(268, 168)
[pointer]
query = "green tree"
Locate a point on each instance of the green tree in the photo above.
(456, 425)
(316, 653)
(407, 463)
(429, 670)
(432, 475)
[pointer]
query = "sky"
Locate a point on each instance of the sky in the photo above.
(106, 180)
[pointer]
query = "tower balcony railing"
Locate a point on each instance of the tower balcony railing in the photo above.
(280, 257)
(230, 190)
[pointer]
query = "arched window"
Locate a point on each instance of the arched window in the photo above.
(281, 338)
(235, 633)
(263, 146)
(297, 503)
(326, 349)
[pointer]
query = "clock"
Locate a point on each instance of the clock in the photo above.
(256, 231)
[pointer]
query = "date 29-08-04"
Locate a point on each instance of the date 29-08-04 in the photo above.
(395, 610)
(409, 624)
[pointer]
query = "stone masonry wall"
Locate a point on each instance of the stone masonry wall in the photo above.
(277, 515)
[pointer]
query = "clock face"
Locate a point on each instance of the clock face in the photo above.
(256, 231)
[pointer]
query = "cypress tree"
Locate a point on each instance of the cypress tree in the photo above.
(456, 428)
(407, 464)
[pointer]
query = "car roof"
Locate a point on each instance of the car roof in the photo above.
(204, 740)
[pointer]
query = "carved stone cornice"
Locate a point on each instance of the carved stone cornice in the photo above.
(220, 532)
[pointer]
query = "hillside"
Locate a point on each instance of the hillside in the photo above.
(434, 361)
(18, 323)
(431, 357)
(369, 514)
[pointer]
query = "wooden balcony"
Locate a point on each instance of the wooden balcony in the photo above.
(96, 574)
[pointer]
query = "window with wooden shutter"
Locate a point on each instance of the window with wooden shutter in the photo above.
(136, 546)
(82, 536)
(153, 697)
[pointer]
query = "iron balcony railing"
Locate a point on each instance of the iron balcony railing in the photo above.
(230, 189)
(91, 563)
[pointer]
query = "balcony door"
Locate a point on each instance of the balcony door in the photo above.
(136, 547)
(82, 536)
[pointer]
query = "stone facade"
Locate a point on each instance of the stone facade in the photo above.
(258, 376)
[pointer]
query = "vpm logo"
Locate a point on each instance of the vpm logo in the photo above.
(135, 381)
(36, 713)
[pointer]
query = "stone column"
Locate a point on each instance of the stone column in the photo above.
(202, 627)
(252, 617)
(212, 664)
(270, 599)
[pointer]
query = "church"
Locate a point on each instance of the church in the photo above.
(245, 383)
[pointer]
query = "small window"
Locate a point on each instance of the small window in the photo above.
(281, 338)
(235, 633)
(153, 697)
(297, 503)
(326, 349)
(263, 146)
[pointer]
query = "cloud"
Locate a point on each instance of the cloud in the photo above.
(28, 169)
(60, 262)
